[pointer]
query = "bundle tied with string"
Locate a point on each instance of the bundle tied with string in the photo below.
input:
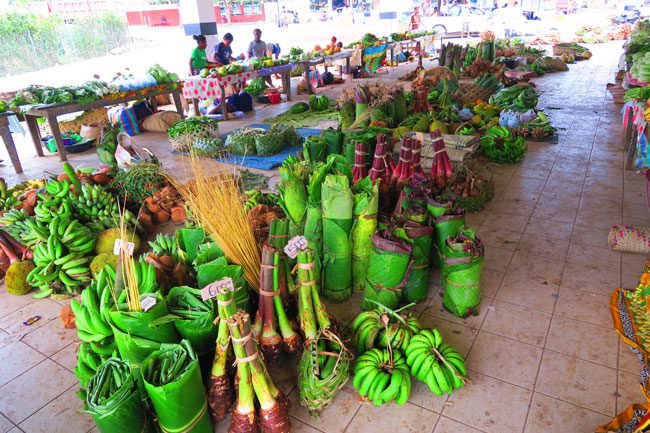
(325, 362)
(461, 273)
(388, 270)
(172, 379)
(366, 206)
(359, 170)
(254, 383)
(420, 238)
(446, 225)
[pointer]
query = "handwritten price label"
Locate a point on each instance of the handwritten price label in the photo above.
(147, 303)
(294, 245)
(213, 289)
(117, 246)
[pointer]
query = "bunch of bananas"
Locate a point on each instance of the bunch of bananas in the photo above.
(7, 198)
(13, 222)
(91, 315)
(88, 361)
(61, 256)
(95, 204)
(381, 378)
(379, 327)
(166, 245)
(435, 363)
(54, 202)
(256, 197)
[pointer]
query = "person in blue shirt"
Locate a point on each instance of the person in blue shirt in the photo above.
(223, 51)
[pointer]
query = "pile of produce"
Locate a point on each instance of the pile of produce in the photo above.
(255, 141)
(392, 347)
(520, 97)
(86, 93)
(161, 74)
(501, 146)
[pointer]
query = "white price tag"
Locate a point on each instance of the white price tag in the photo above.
(212, 290)
(294, 245)
(147, 303)
(117, 246)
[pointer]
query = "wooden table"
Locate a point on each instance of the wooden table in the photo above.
(196, 87)
(50, 112)
(325, 60)
(9, 141)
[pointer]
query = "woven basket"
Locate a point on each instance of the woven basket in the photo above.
(184, 142)
(559, 50)
(629, 239)
(97, 116)
(470, 93)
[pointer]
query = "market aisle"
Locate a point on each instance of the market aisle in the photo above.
(542, 354)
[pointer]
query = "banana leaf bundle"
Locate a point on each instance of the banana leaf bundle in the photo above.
(461, 273)
(172, 379)
(438, 205)
(313, 230)
(114, 402)
(334, 140)
(136, 333)
(420, 238)
(323, 367)
(194, 321)
(446, 225)
(254, 383)
(271, 314)
(388, 270)
(337, 203)
(412, 203)
(293, 194)
(315, 149)
(348, 151)
(366, 203)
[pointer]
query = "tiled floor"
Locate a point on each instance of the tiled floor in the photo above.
(542, 353)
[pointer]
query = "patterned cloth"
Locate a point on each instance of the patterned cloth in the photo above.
(196, 87)
(373, 57)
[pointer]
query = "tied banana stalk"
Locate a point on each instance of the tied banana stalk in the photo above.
(172, 379)
(194, 319)
(435, 363)
(338, 203)
(255, 382)
(388, 270)
(293, 194)
(114, 401)
(461, 273)
(323, 367)
(420, 238)
(271, 314)
(366, 204)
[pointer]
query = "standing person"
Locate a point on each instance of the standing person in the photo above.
(415, 19)
(199, 59)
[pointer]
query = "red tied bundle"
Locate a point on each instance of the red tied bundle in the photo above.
(382, 164)
(441, 170)
(404, 168)
(359, 170)
(416, 165)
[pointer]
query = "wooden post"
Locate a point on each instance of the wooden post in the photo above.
(32, 125)
(9, 144)
(56, 133)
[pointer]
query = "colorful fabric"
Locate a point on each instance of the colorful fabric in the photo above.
(126, 118)
(373, 57)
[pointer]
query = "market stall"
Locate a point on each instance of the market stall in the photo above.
(326, 61)
(50, 112)
(196, 88)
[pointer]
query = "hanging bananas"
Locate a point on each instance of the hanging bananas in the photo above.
(62, 251)
(381, 378)
(370, 331)
(435, 363)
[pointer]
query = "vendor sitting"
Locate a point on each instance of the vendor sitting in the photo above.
(199, 59)
(257, 49)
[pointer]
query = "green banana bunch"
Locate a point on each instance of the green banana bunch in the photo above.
(501, 146)
(370, 331)
(62, 255)
(96, 204)
(166, 245)
(91, 314)
(7, 199)
(519, 97)
(256, 197)
(381, 380)
(435, 363)
(13, 222)
(88, 361)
